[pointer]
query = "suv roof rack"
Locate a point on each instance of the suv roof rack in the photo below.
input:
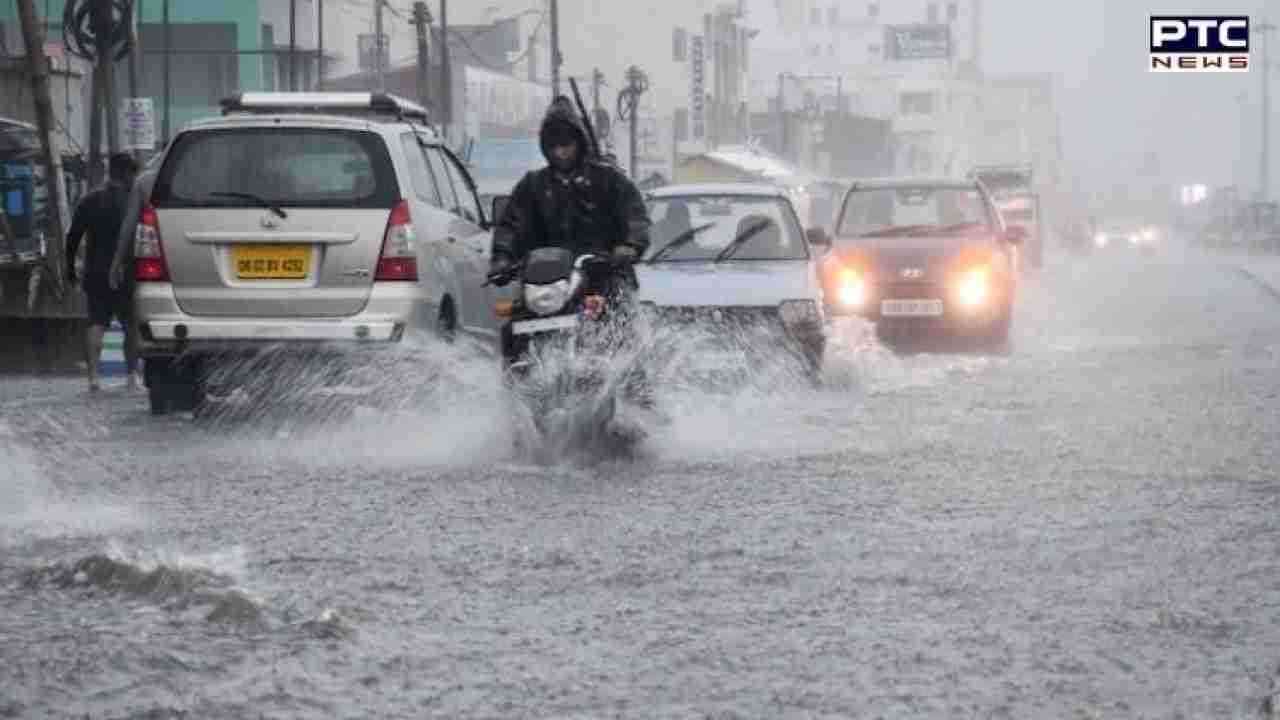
(325, 102)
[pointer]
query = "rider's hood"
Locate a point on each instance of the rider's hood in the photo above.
(561, 113)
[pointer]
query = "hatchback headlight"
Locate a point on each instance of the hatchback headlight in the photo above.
(547, 299)
(974, 287)
(799, 312)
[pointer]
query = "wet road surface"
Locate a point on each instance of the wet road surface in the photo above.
(1085, 527)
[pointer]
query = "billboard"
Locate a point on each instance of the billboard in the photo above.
(917, 42)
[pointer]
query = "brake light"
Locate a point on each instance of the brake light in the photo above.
(148, 252)
(398, 260)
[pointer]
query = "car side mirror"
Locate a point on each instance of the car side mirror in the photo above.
(818, 237)
(1015, 234)
(499, 208)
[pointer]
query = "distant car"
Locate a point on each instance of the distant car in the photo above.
(922, 256)
(305, 221)
(1127, 236)
(732, 256)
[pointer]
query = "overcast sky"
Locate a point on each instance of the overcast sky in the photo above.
(1114, 110)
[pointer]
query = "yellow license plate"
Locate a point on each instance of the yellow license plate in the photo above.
(272, 262)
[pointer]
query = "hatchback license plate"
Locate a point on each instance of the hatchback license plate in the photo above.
(272, 262)
(529, 327)
(911, 308)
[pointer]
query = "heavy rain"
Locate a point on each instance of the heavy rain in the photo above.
(702, 359)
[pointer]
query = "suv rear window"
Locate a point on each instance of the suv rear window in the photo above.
(290, 167)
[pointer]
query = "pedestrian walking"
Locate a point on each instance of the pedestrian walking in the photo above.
(99, 217)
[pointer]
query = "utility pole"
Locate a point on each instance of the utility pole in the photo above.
(38, 67)
(446, 78)
(555, 48)
(421, 19)
(135, 49)
(377, 46)
(446, 70)
(1264, 168)
(597, 80)
(293, 45)
(628, 108)
(168, 68)
(319, 44)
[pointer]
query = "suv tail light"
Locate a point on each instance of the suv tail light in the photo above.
(148, 252)
(398, 261)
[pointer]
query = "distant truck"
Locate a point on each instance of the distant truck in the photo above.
(1014, 194)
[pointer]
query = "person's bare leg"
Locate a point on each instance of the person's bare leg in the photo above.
(93, 351)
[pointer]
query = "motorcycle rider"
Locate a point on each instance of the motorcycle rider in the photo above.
(577, 202)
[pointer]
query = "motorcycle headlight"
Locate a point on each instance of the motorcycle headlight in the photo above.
(799, 312)
(547, 299)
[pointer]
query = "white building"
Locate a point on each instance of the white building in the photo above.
(915, 61)
(661, 37)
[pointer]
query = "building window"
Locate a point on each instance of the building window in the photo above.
(815, 51)
(198, 79)
(874, 50)
(933, 12)
(915, 103)
(680, 45)
(953, 12)
(815, 16)
(833, 15)
(873, 10)
(831, 51)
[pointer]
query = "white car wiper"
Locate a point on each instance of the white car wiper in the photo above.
(253, 198)
(742, 239)
(680, 240)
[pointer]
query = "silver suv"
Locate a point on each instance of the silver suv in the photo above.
(298, 220)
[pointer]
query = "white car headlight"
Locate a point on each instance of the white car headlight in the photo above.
(547, 299)
(1100, 239)
(799, 312)
(1134, 239)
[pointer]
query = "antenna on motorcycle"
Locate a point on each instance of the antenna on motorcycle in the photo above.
(586, 119)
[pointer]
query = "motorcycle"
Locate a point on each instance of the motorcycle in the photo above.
(564, 345)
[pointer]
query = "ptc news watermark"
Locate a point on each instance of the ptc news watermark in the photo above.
(1199, 43)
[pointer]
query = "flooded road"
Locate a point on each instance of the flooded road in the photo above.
(1083, 528)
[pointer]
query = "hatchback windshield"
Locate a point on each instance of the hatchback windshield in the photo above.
(696, 228)
(903, 210)
(287, 167)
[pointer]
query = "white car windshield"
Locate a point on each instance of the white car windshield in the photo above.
(502, 158)
(880, 212)
(701, 228)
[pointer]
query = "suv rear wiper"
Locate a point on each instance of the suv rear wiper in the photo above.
(742, 239)
(680, 240)
(254, 198)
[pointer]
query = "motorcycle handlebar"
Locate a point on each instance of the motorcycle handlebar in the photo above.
(501, 278)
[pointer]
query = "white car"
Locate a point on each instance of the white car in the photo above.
(733, 255)
(303, 221)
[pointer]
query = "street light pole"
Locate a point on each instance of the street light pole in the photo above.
(377, 46)
(555, 48)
